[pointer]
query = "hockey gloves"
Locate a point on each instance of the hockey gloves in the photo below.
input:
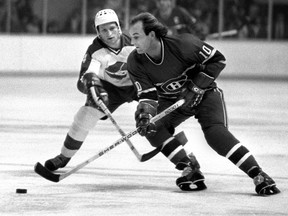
(194, 89)
(192, 95)
(91, 80)
(144, 113)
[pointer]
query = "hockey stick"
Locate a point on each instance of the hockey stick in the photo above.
(54, 177)
(223, 34)
(140, 157)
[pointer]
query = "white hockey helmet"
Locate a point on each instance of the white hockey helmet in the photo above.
(106, 16)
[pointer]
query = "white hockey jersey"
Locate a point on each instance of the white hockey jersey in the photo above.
(110, 65)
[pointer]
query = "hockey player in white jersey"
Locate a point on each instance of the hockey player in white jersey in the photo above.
(104, 67)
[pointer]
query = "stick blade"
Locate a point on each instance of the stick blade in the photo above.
(45, 173)
(149, 155)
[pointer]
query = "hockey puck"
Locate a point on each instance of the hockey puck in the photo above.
(21, 191)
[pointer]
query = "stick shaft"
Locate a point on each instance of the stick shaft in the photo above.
(100, 103)
(91, 159)
(58, 177)
(122, 139)
(223, 34)
(140, 157)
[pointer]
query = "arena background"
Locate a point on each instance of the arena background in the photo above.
(38, 95)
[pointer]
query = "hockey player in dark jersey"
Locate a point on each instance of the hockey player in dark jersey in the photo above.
(167, 68)
(104, 67)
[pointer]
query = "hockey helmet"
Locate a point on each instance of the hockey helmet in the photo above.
(106, 16)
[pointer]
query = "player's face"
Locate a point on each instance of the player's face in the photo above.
(139, 39)
(110, 34)
(164, 4)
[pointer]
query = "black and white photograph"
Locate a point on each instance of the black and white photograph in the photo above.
(143, 107)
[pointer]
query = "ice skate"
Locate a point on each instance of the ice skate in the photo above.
(265, 185)
(57, 162)
(192, 178)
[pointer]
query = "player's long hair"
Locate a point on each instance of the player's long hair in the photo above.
(150, 23)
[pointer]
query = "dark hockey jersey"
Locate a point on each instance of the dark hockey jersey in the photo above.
(109, 65)
(168, 76)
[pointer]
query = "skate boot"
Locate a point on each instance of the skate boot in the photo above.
(265, 185)
(59, 161)
(192, 178)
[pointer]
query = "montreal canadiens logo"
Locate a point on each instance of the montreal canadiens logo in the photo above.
(117, 70)
(174, 85)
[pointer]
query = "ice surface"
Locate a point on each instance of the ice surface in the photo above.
(36, 113)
